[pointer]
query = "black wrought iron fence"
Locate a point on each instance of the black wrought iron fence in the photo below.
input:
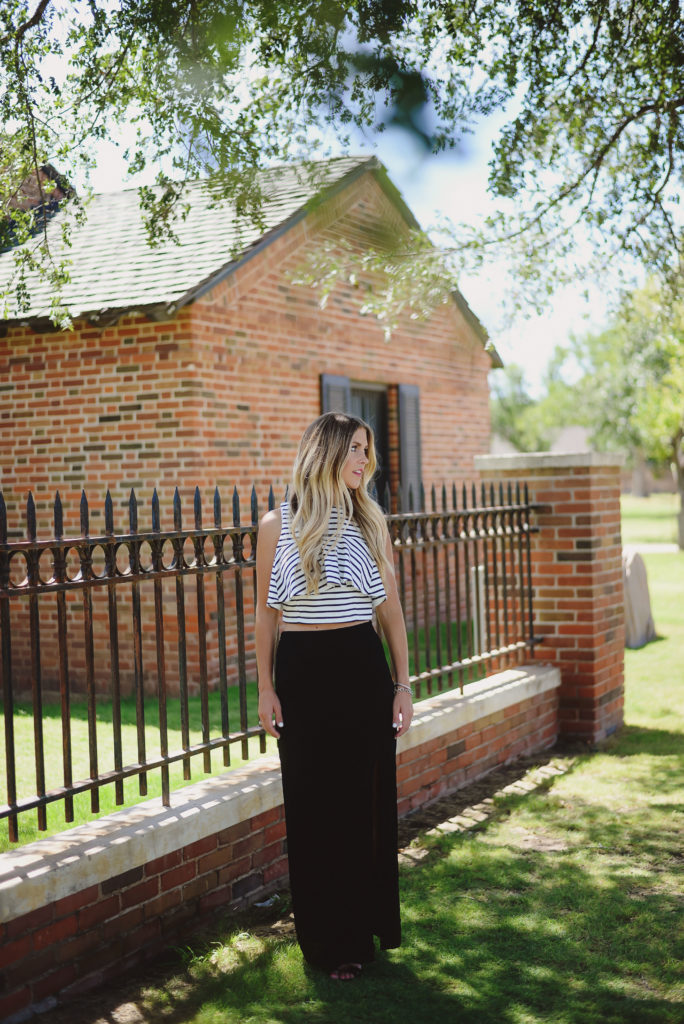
(465, 581)
(94, 618)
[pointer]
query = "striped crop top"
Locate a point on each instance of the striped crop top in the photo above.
(350, 586)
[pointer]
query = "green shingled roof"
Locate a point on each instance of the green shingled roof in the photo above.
(114, 269)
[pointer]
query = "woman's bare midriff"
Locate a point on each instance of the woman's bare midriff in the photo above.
(301, 627)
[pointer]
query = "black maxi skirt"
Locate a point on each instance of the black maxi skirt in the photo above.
(337, 753)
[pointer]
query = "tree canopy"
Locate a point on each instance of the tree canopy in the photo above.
(532, 424)
(628, 388)
(631, 387)
(587, 168)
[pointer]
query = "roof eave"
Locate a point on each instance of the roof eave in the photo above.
(492, 352)
(157, 311)
(470, 317)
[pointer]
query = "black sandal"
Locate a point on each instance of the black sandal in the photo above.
(350, 972)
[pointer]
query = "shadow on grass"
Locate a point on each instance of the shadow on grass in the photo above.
(489, 938)
(580, 936)
(496, 931)
(635, 739)
(658, 638)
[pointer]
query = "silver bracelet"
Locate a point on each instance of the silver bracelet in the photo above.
(400, 688)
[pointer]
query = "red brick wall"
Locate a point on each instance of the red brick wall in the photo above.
(263, 343)
(85, 939)
(446, 763)
(577, 581)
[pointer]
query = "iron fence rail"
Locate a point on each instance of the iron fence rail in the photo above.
(464, 579)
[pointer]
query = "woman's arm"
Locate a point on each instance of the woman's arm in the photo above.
(393, 626)
(267, 623)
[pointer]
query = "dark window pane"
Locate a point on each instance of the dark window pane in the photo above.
(370, 404)
(335, 393)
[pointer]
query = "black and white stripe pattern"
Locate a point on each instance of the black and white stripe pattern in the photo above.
(350, 587)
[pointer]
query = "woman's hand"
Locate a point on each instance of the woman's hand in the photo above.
(270, 711)
(402, 712)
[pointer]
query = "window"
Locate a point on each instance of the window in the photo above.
(391, 412)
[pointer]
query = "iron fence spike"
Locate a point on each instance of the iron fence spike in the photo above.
(109, 513)
(254, 505)
(133, 512)
(30, 517)
(156, 522)
(177, 511)
(58, 517)
(236, 507)
(85, 515)
(3, 519)
(271, 498)
(197, 508)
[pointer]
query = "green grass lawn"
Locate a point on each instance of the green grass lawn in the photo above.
(649, 520)
(52, 738)
(563, 907)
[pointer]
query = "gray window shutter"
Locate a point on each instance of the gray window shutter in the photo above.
(409, 442)
(335, 393)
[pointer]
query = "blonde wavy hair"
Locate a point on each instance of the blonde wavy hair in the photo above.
(318, 487)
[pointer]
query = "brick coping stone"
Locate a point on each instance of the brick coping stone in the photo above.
(50, 869)
(548, 460)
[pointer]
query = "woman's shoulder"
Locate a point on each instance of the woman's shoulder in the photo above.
(270, 523)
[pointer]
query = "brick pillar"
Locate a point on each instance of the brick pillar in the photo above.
(576, 580)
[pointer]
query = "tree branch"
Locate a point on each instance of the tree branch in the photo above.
(34, 20)
(592, 46)
(594, 165)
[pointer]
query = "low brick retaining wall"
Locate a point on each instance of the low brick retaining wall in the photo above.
(79, 908)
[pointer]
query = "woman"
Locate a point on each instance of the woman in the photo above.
(324, 563)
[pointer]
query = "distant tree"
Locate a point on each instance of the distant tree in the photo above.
(531, 424)
(591, 151)
(631, 388)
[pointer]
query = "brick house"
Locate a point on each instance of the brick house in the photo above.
(188, 365)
